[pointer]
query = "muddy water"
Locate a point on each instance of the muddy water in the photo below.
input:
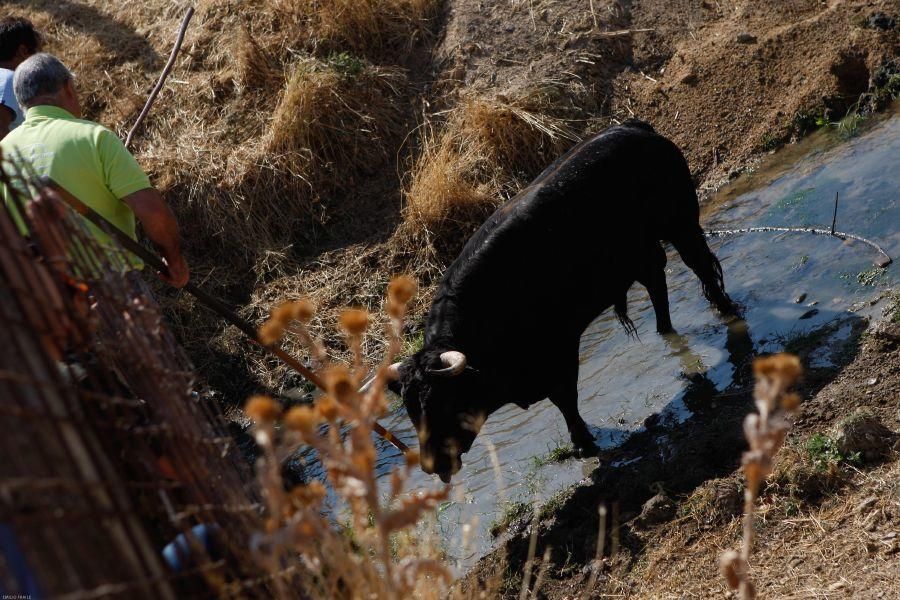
(793, 286)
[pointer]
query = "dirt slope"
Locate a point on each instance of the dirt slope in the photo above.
(723, 79)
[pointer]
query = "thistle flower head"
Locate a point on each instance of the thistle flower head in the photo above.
(339, 383)
(354, 321)
(395, 309)
(271, 332)
(283, 313)
(783, 366)
(790, 402)
(401, 290)
(262, 409)
(327, 408)
(302, 419)
(302, 310)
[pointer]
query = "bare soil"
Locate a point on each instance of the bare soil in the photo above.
(725, 80)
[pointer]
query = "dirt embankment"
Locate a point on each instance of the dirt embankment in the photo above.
(725, 80)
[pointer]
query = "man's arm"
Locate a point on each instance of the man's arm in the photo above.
(161, 227)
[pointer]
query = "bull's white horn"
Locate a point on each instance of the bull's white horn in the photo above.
(391, 373)
(455, 363)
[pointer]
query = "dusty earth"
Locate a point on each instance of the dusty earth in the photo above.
(725, 80)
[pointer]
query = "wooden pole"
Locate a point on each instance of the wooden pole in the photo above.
(163, 76)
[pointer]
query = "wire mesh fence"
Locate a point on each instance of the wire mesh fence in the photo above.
(116, 478)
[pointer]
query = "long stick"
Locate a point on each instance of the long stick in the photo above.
(206, 299)
(163, 76)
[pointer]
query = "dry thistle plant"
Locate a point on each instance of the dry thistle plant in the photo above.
(765, 431)
(339, 426)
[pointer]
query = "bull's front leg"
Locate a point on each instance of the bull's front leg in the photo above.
(565, 397)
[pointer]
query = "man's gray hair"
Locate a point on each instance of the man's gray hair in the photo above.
(39, 76)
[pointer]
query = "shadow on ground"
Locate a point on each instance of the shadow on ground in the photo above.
(664, 455)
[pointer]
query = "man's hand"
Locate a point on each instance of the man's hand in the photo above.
(178, 273)
(160, 226)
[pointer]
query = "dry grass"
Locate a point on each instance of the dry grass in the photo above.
(366, 27)
(484, 152)
(267, 121)
(283, 122)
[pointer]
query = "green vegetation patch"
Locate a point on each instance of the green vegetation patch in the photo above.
(512, 512)
(346, 64)
(558, 454)
(823, 451)
(871, 277)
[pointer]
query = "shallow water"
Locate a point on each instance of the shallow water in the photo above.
(624, 380)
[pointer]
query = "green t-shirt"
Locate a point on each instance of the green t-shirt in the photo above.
(85, 158)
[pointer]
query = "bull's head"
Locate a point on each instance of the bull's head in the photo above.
(445, 402)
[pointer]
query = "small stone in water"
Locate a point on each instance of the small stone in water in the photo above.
(800, 298)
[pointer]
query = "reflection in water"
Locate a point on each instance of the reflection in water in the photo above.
(792, 288)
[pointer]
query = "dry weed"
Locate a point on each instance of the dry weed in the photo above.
(382, 550)
(340, 428)
(765, 431)
(367, 27)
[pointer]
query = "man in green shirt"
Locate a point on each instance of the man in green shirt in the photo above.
(88, 160)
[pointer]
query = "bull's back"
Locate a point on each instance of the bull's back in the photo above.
(563, 246)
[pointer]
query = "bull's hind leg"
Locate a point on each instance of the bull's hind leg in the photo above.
(654, 279)
(565, 397)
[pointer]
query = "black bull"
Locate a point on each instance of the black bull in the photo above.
(508, 315)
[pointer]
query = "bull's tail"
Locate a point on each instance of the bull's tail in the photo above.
(621, 308)
(700, 259)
